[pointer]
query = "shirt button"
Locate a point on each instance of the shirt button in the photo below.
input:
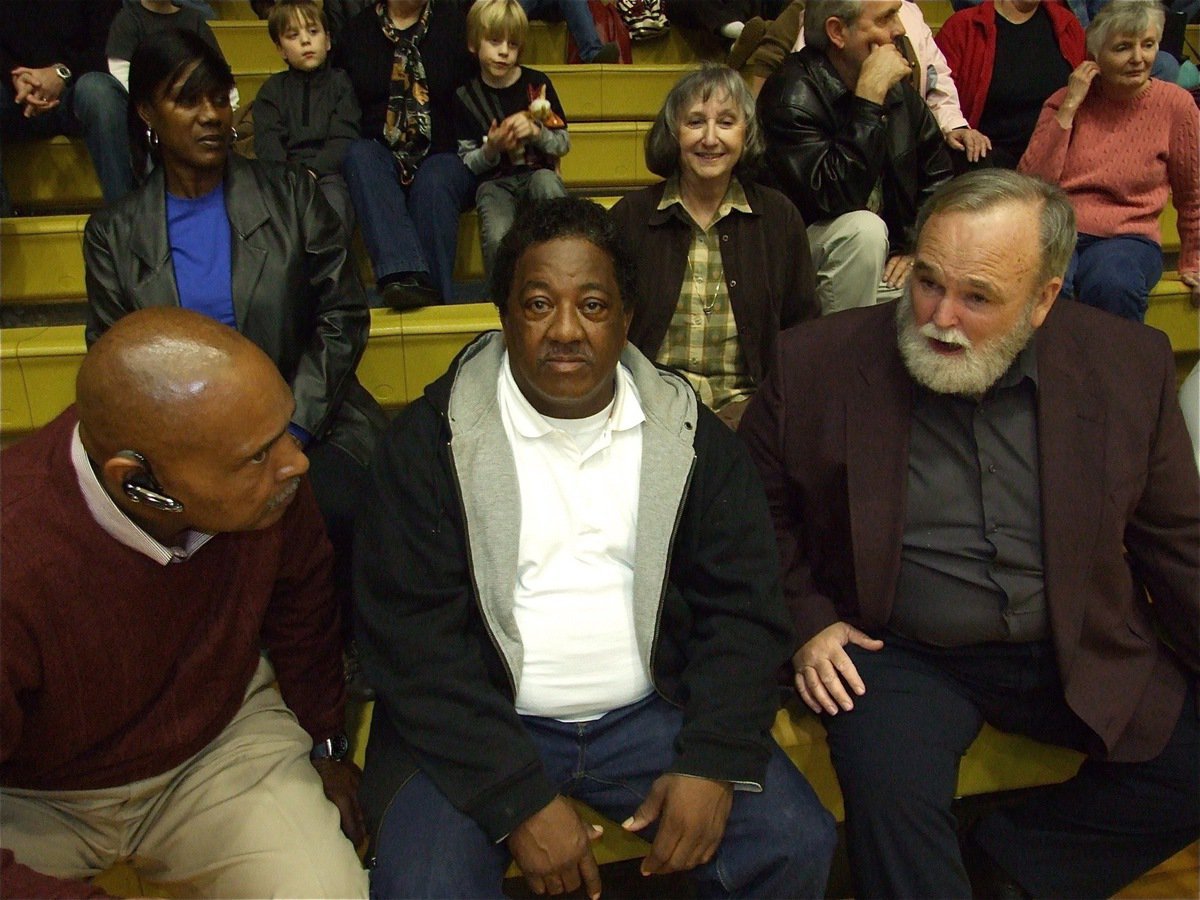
(992, 469)
(733, 282)
(697, 320)
(724, 237)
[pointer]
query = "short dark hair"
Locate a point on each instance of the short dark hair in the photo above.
(156, 65)
(562, 217)
(302, 11)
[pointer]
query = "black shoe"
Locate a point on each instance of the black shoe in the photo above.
(988, 880)
(608, 53)
(409, 290)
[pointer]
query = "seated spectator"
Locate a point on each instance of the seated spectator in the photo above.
(57, 84)
(511, 129)
(1032, 46)
(308, 114)
(252, 244)
(723, 263)
(855, 148)
(406, 58)
(1116, 141)
(579, 600)
(168, 638)
(579, 23)
(138, 19)
(935, 83)
(988, 511)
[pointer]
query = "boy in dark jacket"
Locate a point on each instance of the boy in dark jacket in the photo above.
(308, 114)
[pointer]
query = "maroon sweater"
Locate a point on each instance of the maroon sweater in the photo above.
(115, 668)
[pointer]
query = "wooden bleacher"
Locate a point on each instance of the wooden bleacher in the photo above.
(610, 108)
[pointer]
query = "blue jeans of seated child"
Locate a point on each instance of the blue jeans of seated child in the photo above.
(497, 200)
(413, 228)
(777, 842)
(93, 107)
(578, 18)
(1114, 274)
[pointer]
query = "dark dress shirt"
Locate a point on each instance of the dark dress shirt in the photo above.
(971, 564)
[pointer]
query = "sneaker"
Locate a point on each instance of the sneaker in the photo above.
(608, 53)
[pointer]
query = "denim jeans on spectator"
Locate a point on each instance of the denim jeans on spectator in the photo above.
(413, 228)
(93, 107)
(777, 842)
(1114, 274)
(578, 18)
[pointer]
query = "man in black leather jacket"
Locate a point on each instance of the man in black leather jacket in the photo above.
(854, 146)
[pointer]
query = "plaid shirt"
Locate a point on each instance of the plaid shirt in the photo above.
(702, 340)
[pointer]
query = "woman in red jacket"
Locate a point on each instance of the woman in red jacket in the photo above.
(1030, 47)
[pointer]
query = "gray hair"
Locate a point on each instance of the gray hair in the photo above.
(1122, 17)
(817, 12)
(986, 188)
(710, 80)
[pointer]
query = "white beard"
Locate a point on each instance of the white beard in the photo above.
(969, 373)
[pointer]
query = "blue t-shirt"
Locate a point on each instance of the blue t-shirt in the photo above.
(201, 252)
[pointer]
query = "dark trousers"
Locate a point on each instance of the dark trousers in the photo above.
(897, 754)
(340, 485)
(777, 842)
(1114, 274)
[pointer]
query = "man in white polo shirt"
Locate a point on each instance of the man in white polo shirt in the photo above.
(567, 587)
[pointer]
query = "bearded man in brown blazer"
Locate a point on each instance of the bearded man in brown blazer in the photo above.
(987, 510)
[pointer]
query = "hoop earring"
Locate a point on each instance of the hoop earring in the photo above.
(151, 137)
(233, 135)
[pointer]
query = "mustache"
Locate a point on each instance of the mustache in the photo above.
(952, 336)
(285, 495)
(574, 352)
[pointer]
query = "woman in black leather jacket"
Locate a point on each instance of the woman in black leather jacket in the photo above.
(249, 243)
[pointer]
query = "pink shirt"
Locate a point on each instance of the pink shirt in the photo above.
(1120, 158)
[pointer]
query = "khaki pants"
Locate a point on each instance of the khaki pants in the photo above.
(245, 817)
(849, 254)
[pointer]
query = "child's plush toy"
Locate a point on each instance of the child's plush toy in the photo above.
(540, 111)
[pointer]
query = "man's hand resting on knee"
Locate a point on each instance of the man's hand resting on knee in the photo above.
(824, 670)
(553, 849)
(341, 780)
(691, 813)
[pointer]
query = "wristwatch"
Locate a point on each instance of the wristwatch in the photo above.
(334, 748)
(62, 72)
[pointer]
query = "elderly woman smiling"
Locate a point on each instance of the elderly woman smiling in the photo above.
(1115, 140)
(723, 262)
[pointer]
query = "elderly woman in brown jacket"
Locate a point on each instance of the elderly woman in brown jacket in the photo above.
(723, 262)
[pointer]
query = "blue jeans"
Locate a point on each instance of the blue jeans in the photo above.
(1114, 274)
(777, 843)
(413, 228)
(93, 107)
(578, 18)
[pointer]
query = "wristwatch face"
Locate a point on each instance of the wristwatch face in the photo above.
(334, 748)
(63, 72)
(340, 746)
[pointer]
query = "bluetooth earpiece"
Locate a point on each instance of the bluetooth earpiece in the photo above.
(142, 487)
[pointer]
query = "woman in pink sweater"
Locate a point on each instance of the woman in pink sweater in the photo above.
(1116, 141)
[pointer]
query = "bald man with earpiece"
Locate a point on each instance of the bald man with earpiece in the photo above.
(170, 664)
